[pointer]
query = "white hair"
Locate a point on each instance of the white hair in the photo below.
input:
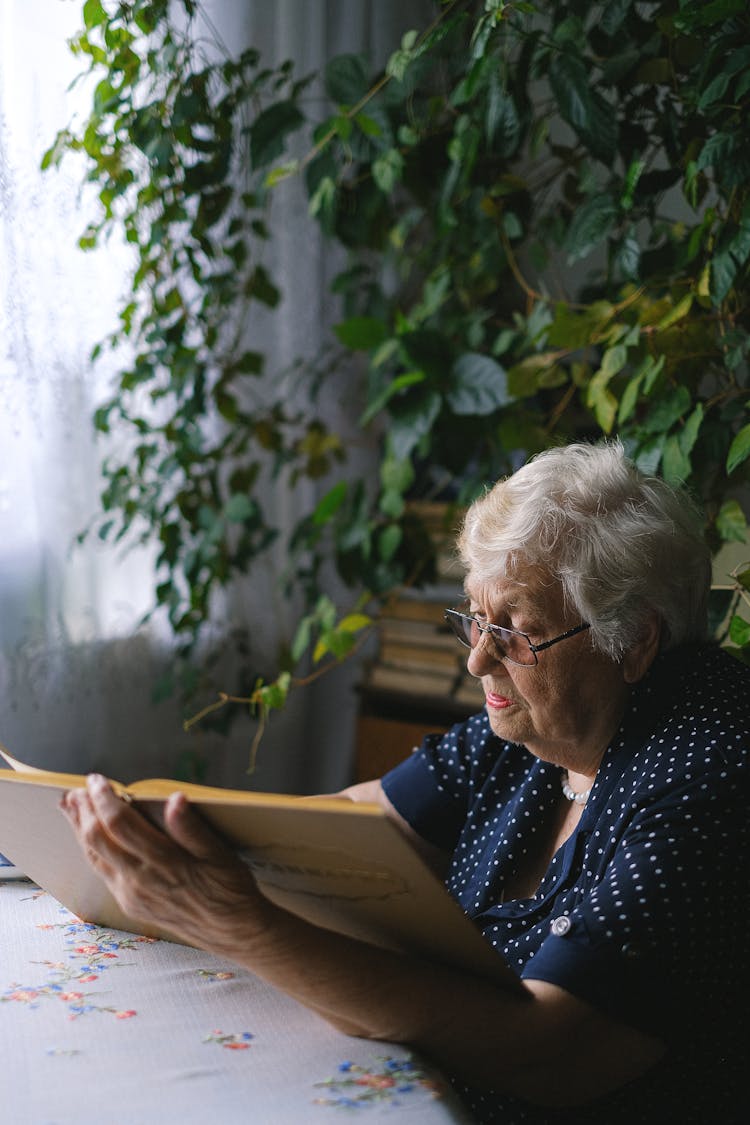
(623, 545)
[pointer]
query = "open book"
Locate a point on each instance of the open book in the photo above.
(340, 865)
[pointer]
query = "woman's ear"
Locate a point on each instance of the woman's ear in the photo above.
(639, 659)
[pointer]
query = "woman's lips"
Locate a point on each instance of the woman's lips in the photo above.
(498, 702)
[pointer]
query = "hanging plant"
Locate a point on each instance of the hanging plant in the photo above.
(178, 145)
(547, 212)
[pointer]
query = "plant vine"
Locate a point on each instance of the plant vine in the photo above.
(505, 146)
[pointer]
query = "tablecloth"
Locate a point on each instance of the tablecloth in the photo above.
(98, 1024)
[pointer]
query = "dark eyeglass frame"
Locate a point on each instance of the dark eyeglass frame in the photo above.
(455, 617)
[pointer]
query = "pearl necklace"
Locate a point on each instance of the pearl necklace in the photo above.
(569, 791)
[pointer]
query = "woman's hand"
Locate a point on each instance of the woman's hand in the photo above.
(185, 879)
(546, 1045)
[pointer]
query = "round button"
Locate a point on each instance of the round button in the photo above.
(560, 926)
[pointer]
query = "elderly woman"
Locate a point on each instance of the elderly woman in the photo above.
(592, 820)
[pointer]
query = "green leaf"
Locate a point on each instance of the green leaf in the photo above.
(601, 400)
(396, 476)
(226, 404)
(613, 361)
(368, 125)
(322, 201)
(62, 143)
(679, 312)
(302, 638)
(739, 450)
(361, 333)
(269, 131)
(274, 696)
(715, 90)
(479, 385)
(572, 328)
(689, 434)
(503, 127)
(389, 541)
(250, 363)
(739, 631)
(613, 15)
(281, 172)
(387, 170)
(591, 224)
(723, 273)
(585, 111)
(392, 502)
(400, 383)
(652, 369)
(628, 256)
(410, 425)
(239, 507)
(629, 399)
(649, 453)
(329, 504)
(667, 410)
(343, 126)
(354, 622)
(261, 288)
(525, 378)
(632, 176)
(212, 206)
(399, 61)
(642, 377)
(704, 13)
(731, 523)
(675, 463)
(93, 13)
(728, 155)
(346, 79)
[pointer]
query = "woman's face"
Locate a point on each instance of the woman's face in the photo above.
(566, 708)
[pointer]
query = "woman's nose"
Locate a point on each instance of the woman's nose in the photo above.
(484, 658)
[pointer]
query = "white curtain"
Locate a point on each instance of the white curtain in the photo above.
(77, 668)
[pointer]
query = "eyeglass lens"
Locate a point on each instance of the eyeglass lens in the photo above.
(507, 643)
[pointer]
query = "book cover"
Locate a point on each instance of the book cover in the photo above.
(341, 865)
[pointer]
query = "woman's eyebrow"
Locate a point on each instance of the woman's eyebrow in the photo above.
(518, 601)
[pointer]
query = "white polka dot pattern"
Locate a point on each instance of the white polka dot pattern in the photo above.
(645, 908)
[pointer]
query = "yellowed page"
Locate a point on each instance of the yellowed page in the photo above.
(340, 864)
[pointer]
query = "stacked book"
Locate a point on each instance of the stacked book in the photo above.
(420, 656)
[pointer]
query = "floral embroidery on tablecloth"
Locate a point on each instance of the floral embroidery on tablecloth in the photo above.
(13, 884)
(233, 1041)
(390, 1081)
(215, 974)
(91, 951)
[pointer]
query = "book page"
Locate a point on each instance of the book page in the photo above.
(338, 864)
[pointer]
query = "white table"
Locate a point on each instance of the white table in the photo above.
(98, 1024)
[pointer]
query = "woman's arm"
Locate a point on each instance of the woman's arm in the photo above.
(544, 1045)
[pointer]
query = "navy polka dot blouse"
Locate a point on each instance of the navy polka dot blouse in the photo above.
(643, 912)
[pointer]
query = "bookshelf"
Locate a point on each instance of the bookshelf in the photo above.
(418, 684)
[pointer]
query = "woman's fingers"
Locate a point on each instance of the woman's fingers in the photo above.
(122, 826)
(188, 829)
(77, 808)
(120, 842)
(184, 878)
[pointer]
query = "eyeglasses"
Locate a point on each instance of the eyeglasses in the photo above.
(508, 644)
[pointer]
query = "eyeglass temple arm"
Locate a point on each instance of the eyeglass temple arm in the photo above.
(562, 637)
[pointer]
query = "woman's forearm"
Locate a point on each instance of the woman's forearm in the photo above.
(190, 883)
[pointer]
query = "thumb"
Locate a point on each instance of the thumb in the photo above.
(188, 829)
